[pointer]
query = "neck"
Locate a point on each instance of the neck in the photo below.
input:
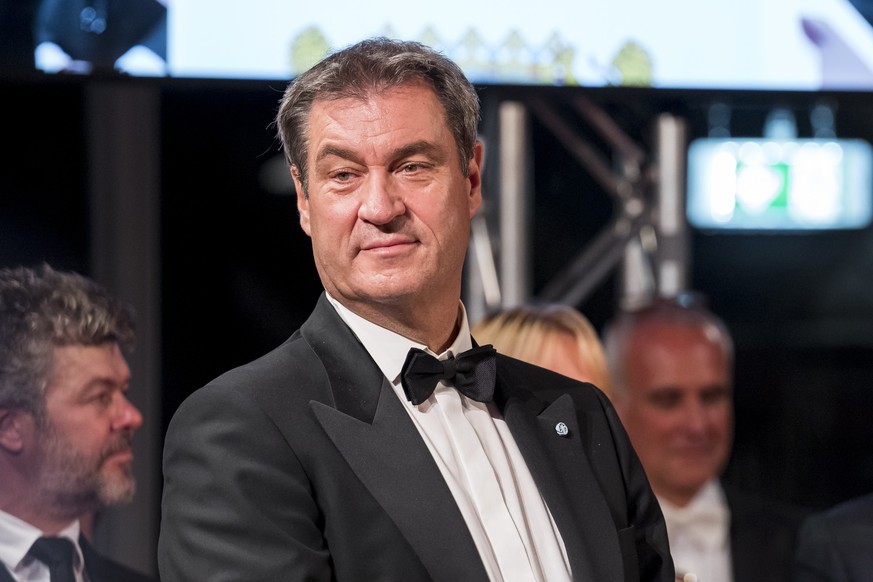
(38, 517)
(434, 325)
(677, 498)
(22, 497)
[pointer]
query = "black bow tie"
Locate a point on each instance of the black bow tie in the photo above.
(472, 373)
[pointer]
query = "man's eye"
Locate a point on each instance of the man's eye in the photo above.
(715, 396)
(104, 398)
(665, 400)
(342, 176)
(411, 167)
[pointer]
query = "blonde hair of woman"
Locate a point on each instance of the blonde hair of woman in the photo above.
(552, 336)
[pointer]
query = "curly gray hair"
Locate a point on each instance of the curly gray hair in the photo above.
(42, 308)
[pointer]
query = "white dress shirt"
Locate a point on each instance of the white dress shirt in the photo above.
(16, 537)
(507, 517)
(699, 535)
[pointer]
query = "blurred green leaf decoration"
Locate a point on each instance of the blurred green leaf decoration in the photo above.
(634, 65)
(513, 60)
(308, 48)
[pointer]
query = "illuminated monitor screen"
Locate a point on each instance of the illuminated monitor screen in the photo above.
(745, 44)
(788, 185)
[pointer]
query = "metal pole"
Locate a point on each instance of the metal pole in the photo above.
(124, 187)
(672, 257)
(514, 205)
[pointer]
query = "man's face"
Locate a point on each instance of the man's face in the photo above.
(85, 459)
(677, 407)
(388, 208)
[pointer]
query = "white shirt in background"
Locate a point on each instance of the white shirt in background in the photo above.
(699, 535)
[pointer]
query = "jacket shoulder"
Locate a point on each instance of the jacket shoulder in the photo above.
(547, 385)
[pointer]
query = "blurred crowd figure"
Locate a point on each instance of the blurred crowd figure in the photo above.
(66, 424)
(672, 369)
(553, 336)
(837, 545)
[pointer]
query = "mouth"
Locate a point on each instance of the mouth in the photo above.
(696, 453)
(388, 247)
(120, 456)
(120, 451)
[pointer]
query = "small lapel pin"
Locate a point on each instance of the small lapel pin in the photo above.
(562, 429)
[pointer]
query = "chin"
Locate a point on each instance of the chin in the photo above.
(393, 294)
(116, 489)
(697, 482)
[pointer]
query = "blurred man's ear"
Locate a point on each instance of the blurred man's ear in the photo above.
(12, 429)
(302, 200)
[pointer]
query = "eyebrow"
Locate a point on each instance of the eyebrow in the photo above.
(419, 147)
(337, 151)
(99, 382)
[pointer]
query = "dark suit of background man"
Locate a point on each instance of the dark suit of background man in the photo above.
(837, 545)
(65, 422)
(672, 366)
(311, 463)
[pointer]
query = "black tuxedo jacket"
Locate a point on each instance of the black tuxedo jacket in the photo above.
(763, 537)
(98, 568)
(837, 545)
(304, 465)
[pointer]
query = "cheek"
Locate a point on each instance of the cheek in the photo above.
(451, 230)
(658, 429)
(654, 421)
(641, 428)
(723, 435)
(720, 420)
(327, 225)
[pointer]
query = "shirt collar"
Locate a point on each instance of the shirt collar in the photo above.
(388, 349)
(17, 536)
(707, 514)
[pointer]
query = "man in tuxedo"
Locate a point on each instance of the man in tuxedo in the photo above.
(65, 423)
(837, 545)
(378, 442)
(672, 367)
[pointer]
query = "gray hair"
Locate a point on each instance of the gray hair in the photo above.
(372, 66)
(40, 309)
(686, 310)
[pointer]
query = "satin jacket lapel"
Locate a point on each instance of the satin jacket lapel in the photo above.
(378, 440)
(355, 379)
(562, 472)
(5, 576)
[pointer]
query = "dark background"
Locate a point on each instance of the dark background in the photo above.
(237, 275)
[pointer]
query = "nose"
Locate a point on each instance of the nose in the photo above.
(696, 417)
(128, 416)
(381, 202)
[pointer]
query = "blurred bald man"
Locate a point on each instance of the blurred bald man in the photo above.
(672, 367)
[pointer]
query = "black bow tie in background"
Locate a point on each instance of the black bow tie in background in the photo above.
(472, 373)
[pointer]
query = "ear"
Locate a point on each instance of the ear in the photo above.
(12, 429)
(475, 178)
(302, 201)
